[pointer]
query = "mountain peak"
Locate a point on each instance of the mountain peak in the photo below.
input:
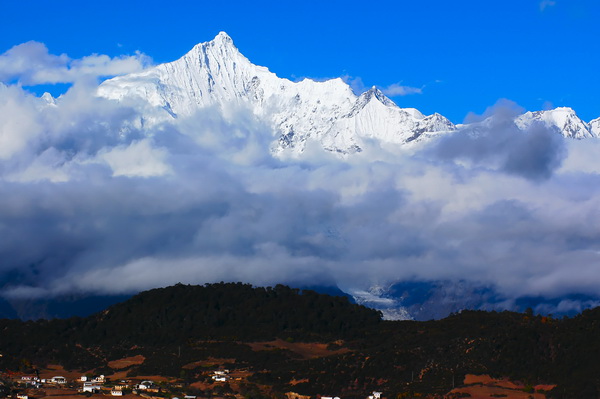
(564, 109)
(374, 92)
(563, 119)
(221, 41)
(222, 37)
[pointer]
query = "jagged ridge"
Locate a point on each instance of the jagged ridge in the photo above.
(215, 74)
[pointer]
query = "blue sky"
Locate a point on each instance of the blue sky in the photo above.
(464, 55)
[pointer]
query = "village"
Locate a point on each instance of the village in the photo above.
(39, 387)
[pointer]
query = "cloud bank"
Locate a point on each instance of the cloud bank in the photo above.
(91, 201)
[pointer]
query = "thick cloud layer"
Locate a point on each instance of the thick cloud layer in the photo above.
(92, 202)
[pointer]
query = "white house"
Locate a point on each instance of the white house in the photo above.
(58, 380)
(90, 387)
(145, 385)
(121, 385)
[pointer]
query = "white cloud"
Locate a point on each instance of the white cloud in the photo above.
(546, 3)
(138, 159)
(355, 83)
(49, 165)
(31, 64)
(397, 89)
(19, 123)
(583, 157)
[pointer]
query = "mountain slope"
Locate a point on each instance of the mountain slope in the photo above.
(595, 126)
(215, 74)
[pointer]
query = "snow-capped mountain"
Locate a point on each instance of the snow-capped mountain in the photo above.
(563, 119)
(216, 74)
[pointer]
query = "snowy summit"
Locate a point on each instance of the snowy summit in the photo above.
(216, 74)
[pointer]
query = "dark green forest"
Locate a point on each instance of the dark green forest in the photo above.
(179, 325)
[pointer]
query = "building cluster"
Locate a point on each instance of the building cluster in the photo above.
(86, 384)
(37, 382)
(90, 385)
(100, 384)
(30, 382)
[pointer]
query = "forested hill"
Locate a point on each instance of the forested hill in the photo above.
(183, 313)
(177, 328)
(233, 311)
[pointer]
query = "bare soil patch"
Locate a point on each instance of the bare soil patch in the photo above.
(210, 363)
(544, 387)
(471, 379)
(307, 350)
(126, 362)
(119, 375)
(202, 385)
(296, 382)
(155, 378)
(486, 387)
